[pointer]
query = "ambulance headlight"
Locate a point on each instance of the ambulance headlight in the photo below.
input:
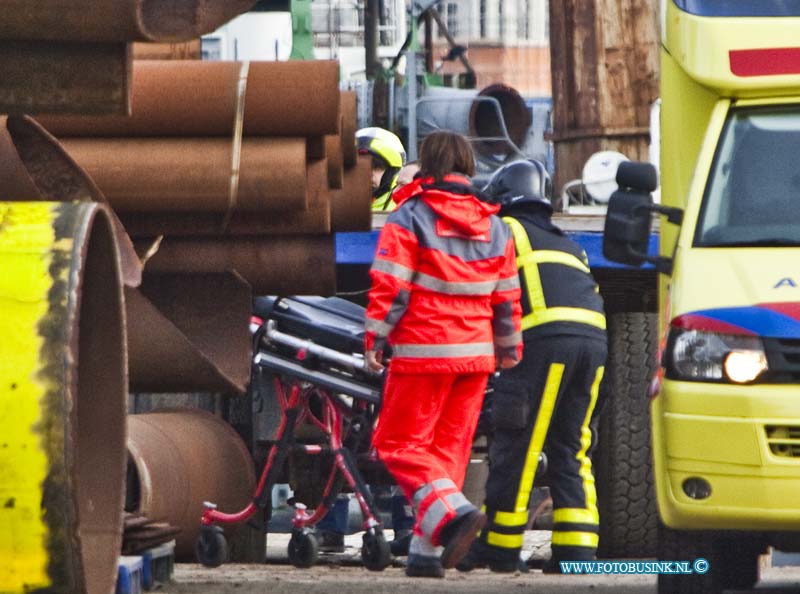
(698, 355)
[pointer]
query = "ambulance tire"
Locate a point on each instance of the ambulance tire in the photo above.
(623, 459)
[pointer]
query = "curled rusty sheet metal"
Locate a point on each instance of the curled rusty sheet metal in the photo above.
(280, 99)
(350, 206)
(115, 20)
(181, 459)
(288, 265)
(62, 399)
(34, 166)
(189, 333)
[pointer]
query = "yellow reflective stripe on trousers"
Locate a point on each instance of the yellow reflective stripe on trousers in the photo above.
(575, 539)
(538, 434)
(564, 314)
(511, 519)
(585, 471)
(573, 515)
(27, 238)
(506, 541)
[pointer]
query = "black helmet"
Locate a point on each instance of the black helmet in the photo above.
(520, 182)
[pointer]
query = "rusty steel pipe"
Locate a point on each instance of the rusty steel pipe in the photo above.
(350, 206)
(178, 459)
(334, 154)
(287, 265)
(349, 126)
(115, 20)
(63, 397)
(194, 174)
(280, 99)
(64, 77)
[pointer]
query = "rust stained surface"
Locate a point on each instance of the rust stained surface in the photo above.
(83, 488)
(189, 332)
(183, 458)
(281, 99)
(115, 20)
(605, 73)
(34, 166)
(62, 77)
(287, 265)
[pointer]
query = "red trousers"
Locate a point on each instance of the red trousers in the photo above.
(426, 426)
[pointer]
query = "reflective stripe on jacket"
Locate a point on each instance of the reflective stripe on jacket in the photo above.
(559, 294)
(445, 290)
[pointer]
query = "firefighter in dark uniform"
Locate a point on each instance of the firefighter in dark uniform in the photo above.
(548, 399)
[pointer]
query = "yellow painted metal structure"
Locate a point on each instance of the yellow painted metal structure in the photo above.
(63, 386)
(27, 244)
(720, 431)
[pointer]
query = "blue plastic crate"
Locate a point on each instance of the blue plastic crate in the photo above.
(129, 575)
(158, 565)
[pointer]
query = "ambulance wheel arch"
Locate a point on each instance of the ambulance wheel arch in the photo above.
(623, 458)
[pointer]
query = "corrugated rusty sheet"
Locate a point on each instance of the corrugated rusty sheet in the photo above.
(605, 70)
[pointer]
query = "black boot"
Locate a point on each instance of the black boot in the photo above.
(400, 543)
(423, 566)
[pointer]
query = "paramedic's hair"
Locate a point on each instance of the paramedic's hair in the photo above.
(445, 152)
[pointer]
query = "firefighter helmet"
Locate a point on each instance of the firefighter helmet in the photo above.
(520, 182)
(382, 144)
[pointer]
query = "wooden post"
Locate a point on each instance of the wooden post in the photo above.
(605, 70)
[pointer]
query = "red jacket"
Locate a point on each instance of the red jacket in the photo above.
(445, 289)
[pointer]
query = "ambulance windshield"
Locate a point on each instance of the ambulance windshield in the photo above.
(753, 192)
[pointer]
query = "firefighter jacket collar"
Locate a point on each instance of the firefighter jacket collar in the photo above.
(455, 200)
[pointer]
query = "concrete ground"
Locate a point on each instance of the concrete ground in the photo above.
(343, 574)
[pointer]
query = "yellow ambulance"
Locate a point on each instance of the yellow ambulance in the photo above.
(726, 401)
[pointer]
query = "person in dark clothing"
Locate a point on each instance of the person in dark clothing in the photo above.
(549, 398)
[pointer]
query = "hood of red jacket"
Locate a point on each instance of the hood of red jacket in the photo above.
(455, 200)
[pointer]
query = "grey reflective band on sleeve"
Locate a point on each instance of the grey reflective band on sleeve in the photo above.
(437, 351)
(508, 341)
(393, 269)
(508, 284)
(377, 327)
(454, 288)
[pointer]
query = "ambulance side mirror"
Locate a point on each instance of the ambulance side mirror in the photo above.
(626, 237)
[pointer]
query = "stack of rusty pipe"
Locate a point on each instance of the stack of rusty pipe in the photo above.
(74, 56)
(231, 178)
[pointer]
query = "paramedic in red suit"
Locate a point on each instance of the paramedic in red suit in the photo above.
(445, 296)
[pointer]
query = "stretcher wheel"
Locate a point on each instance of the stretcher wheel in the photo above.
(211, 548)
(303, 549)
(375, 552)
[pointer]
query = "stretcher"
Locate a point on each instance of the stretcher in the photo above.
(312, 349)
